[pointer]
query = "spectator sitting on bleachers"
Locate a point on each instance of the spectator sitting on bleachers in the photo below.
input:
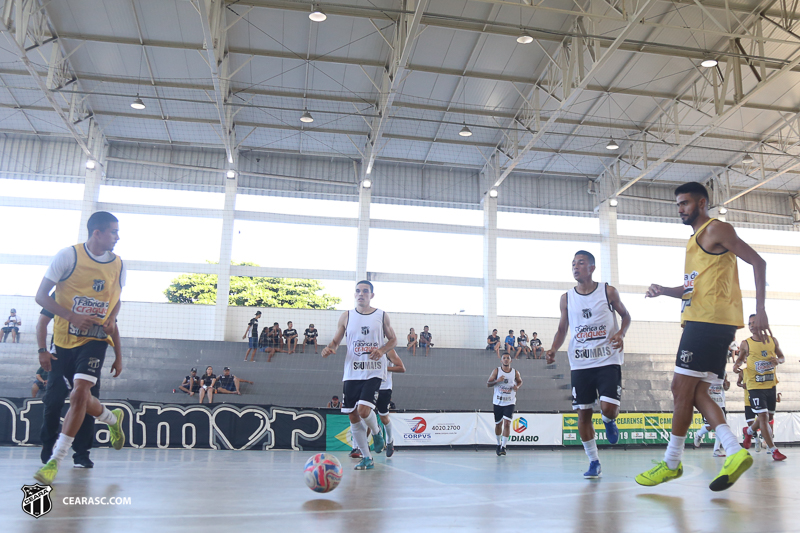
(207, 382)
(191, 383)
(522, 339)
(425, 339)
(290, 336)
(493, 342)
(11, 325)
(228, 383)
(733, 351)
(273, 341)
(412, 341)
(263, 340)
(39, 382)
(510, 343)
(311, 335)
(536, 347)
(334, 403)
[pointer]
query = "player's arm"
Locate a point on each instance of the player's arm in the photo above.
(744, 350)
(740, 380)
(492, 379)
(517, 380)
(341, 329)
(659, 290)
(561, 332)
(780, 359)
(43, 298)
(391, 340)
(110, 325)
(724, 235)
(619, 307)
(397, 363)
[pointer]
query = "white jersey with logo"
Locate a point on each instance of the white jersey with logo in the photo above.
(717, 393)
(387, 383)
(504, 393)
(592, 322)
(364, 334)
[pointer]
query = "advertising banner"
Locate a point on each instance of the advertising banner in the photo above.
(527, 429)
(434, 429)
(634, 428)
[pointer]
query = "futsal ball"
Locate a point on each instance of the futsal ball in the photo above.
(323, 472)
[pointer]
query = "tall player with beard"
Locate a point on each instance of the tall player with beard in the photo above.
(369, 338)
(595, 353)
(711, 312)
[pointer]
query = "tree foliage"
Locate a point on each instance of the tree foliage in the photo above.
(251, 291)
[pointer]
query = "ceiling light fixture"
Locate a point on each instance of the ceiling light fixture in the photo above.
(492, 193)
(317, 15)
(612, 145)
(723, 210)
(748, 159)
(230, 174)
(613, 202)
(525, 38)
(306, 116)
(138, 104)
(709, 63)
(465, 131)
(366, 183)
(90, 164)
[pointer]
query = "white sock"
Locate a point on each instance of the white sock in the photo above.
(372, 423)
(504, 441)
(499, 440)
(606, 419)
(360, 438)
(674, 451)
(590, 447)
(727, 438)
(61, 448)
(107, 417)
(702, 431)
(389, 436)
(717, 444)
(750, 431)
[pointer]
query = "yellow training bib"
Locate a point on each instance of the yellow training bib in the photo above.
(760, 372)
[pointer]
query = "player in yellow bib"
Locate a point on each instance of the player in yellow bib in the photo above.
(711, 313)
(762, 355)
(88, 279)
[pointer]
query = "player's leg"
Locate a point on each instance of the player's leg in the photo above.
(350, 397)
(609, 388)
(498, 428)
(508, 414)
(584, 396)
(84, 440)
(382, 406)
(366, 410)
(54, 402)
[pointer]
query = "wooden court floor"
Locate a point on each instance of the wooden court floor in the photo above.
(414, 491)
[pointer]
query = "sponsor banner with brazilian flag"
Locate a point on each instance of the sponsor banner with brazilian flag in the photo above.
(634, 428)
(337, 436)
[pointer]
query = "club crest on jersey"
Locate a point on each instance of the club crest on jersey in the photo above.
(763, 353)
(365, 330)
(587, 313)
(686, 356)
(36, 500)
(98, 285)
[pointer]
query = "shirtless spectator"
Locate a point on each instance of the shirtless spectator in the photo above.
(191, 383)
(290, 336)
(39, 382)
(412, 341)
(311, 335)
(522, 340)
(536, 347)
(493, 342)
(228, 383)
(425, 339)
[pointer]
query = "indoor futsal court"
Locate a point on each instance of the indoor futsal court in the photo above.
(395, 265)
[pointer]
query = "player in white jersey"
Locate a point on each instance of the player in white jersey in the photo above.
(716, 390)
(595, 352)
(506, 382)
(385, 397)
(369, 337)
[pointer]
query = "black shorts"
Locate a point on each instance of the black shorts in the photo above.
(588, 384)
(84, 362)
(503, 412)
(360, 391)
(724, 412)
(384, 397)
(763, 400)
(703, 350)
(749, 415)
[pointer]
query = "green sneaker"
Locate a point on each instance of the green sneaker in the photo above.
(365, 464)
(379, 439)
(735, 465)
(659, 474)
(47, 473)
(115, 431)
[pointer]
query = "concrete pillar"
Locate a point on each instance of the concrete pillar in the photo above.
(225, 250)
(489, 264)
(362, 246)
(91, 193)
(609, 257)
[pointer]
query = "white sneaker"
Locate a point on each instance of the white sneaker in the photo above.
(757, 443)
(719, 453)
(697, 439)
